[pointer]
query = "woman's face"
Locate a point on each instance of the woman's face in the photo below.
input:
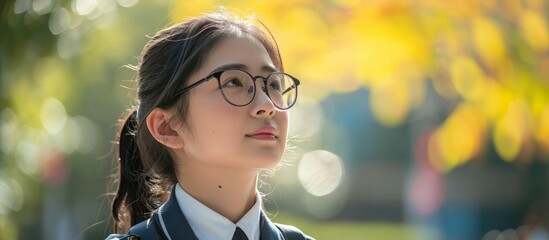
(218, 133)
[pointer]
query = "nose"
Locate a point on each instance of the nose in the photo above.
(263, 107)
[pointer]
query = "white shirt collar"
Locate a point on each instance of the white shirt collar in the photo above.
(208, 224)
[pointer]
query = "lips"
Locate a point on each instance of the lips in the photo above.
(264, 133)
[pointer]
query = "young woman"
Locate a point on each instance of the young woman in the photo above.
(212, 113)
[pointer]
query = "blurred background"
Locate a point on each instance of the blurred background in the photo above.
(417, 119)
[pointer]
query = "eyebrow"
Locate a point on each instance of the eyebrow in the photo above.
(239, 66)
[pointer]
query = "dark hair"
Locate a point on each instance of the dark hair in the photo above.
(146, 169)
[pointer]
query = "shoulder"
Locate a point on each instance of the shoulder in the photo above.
(143, 230)
(146, 229)
(121, 237)
(292, 233)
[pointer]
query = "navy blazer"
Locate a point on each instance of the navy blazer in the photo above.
(169, 223)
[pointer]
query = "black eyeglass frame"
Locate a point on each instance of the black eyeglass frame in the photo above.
(217, 75)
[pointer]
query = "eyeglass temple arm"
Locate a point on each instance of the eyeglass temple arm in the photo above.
(292, 87)
(289, 89)
(184, 90)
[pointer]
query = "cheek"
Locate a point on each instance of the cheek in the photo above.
(213, 132)
(212, 112)
(220, 123)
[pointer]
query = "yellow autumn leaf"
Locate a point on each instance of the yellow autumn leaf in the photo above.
(542, 133)
(495, 100)
(461, 135)
(511, 130)
(488, 41)
(534, 30)
(468, 78)
(390, 102)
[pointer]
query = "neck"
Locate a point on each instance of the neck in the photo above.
(229, 191)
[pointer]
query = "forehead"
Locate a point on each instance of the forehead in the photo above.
(243, 50)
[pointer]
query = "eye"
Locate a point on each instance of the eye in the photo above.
(233, 82)
(275, 85)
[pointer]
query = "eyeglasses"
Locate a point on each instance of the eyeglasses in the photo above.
(238, 87)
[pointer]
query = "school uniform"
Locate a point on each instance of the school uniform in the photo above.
(183, 217)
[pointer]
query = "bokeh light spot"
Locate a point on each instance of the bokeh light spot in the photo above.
(488, 41)
(89, 134)
(41, 6)
(458, 139)
(435, 154)
(69, 138)
(84, 7)
(53, 167)
(427, 192)
(21, 6)
(59, 20)
(107, 18)
(491, 235)
(17, 192)
(320, 172)
(6, 197)
(390, 102)
(68, 44)
(127, 3)
(543, 128)
(509, 132)
(27, 157)
(534, 30)
(53, 115)
(468, 78)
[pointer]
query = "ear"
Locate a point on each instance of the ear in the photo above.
(160, 127)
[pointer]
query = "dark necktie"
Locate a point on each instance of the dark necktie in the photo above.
(239, 234)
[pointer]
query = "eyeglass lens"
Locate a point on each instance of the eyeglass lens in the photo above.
(238, 88)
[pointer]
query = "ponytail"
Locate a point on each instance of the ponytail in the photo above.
(132, 202)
